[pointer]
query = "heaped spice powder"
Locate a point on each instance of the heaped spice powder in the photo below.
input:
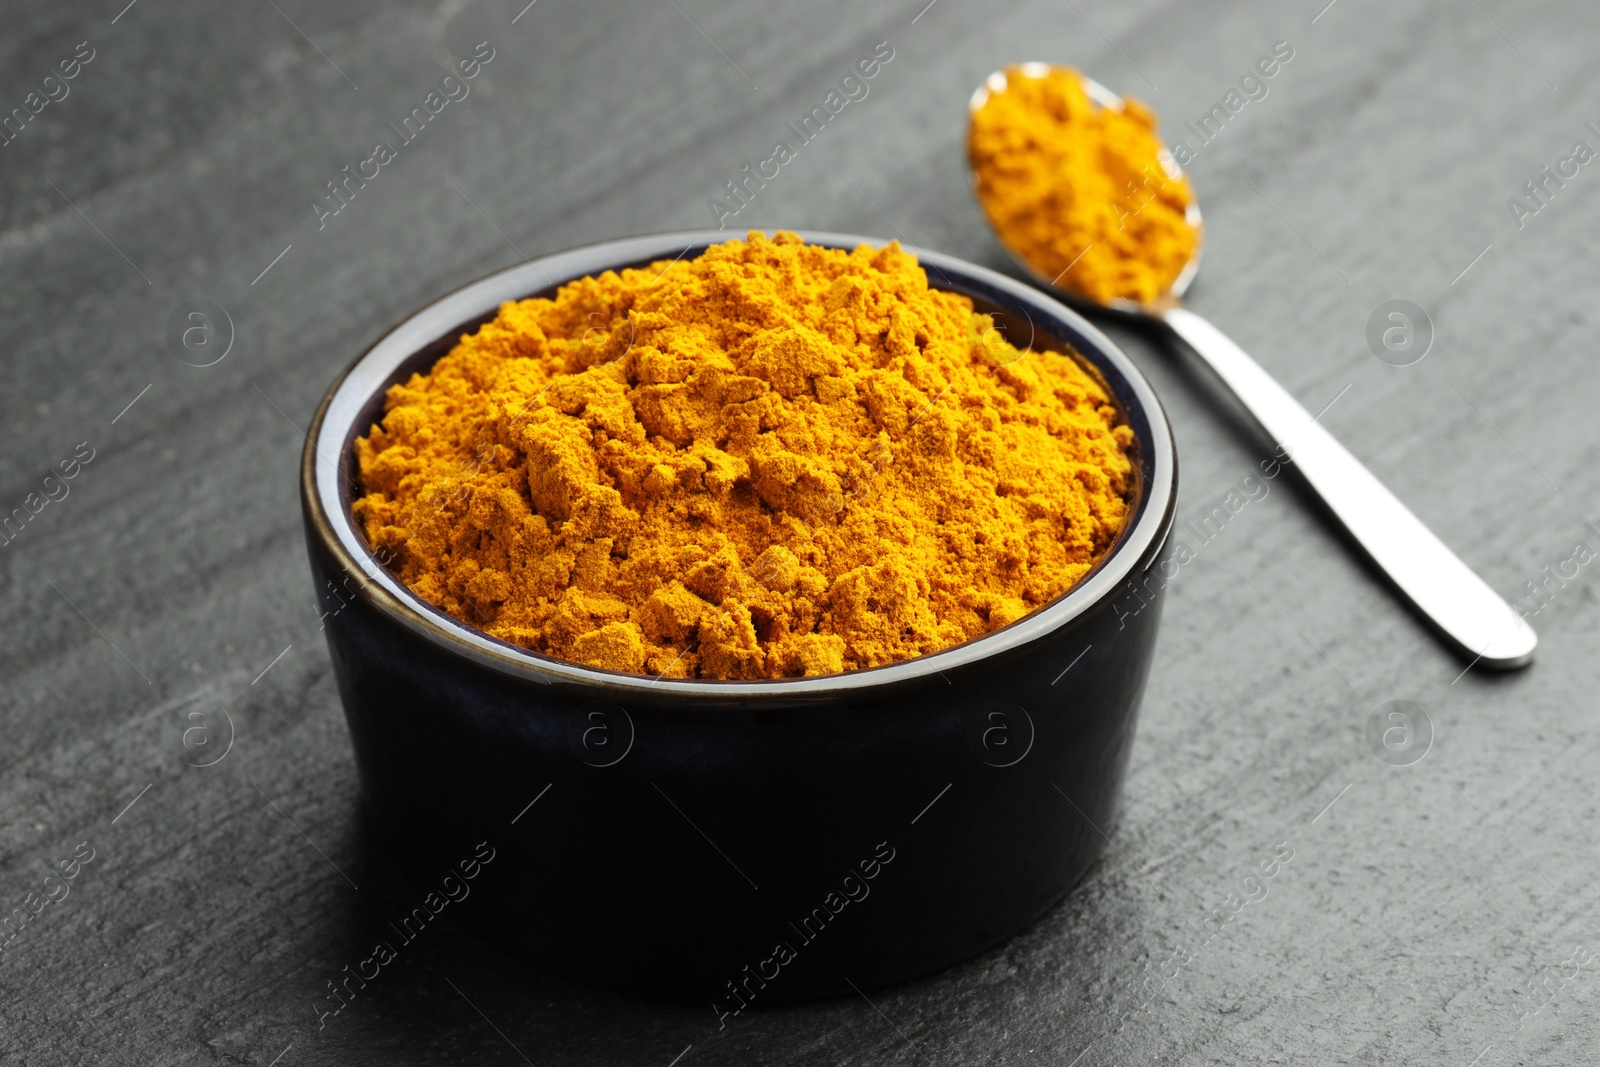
(772, 460)
(1080, 192)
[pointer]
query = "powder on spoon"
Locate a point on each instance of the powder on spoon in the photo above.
(1079, 192)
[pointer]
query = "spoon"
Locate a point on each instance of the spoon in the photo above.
(1471, 614)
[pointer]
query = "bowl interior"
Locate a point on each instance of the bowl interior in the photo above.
(1026, 317)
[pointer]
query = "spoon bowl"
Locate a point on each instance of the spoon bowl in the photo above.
(996, 84)
(1471, 616)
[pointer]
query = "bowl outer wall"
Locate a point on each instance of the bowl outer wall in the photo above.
(740, 816)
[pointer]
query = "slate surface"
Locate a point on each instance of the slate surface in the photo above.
(1437, 913)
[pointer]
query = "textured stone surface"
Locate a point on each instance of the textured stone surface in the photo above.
(1429, 916)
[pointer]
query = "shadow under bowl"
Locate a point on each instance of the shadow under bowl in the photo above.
(745, 843)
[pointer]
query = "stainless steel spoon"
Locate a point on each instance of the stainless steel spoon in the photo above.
(1445, 589)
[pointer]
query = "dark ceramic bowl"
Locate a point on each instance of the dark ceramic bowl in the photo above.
(740, 842)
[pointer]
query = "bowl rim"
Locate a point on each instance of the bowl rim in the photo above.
(332, 428)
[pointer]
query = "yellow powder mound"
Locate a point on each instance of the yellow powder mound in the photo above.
(770, 461)
(1067, 183)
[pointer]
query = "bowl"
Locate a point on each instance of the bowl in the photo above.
(738, 843)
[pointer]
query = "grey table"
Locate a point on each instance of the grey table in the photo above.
(1439, 906)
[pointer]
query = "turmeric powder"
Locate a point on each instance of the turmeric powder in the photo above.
(772, 460)
(1083, 194)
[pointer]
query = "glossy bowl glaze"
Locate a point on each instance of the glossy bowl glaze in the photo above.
(740, 843)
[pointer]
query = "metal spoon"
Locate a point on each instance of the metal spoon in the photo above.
(1442, 587)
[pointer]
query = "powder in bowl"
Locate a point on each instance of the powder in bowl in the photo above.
(772, 460)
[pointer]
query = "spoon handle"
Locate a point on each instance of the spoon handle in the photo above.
(1446, 590)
